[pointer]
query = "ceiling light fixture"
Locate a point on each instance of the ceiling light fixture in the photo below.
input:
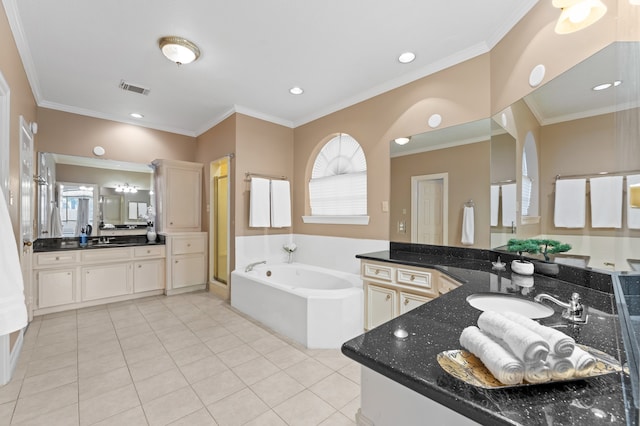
(402, 141)
(296, 90)
(406, 57)
(136, 115)
(179, 50)
(578, 14)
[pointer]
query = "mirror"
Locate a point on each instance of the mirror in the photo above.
(569, 130)
(111, 197)
(437, 176)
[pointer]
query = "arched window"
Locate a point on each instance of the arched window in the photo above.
(338, 185)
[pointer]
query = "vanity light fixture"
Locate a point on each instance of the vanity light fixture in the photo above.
(402, 141)
(578, 14)
(178, 49)
(406, 57)
(126, 189)
(136, 115)
(296, 90)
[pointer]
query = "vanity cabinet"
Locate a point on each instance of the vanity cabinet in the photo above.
(72, 279)
(178, 195)
(392, 290)
(186, 261)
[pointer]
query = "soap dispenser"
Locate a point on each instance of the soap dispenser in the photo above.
(83, 238)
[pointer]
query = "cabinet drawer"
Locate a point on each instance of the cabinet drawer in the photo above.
(446, 284)
(148, 251)
(378, 272)
(105, 255)
(418, 278)
(56, 258)
(187, 245)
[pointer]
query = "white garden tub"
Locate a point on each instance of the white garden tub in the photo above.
(318, 307)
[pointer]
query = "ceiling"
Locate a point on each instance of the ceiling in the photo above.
(76, 53)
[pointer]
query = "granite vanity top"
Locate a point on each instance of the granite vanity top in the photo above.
(436, 326)
(60, 244)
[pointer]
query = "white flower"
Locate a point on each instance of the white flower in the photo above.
(291, 247)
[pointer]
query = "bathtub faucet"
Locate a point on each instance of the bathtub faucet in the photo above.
(250, 266)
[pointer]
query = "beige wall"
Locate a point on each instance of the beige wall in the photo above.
(585, 146)
(469, 176)
(264, 148)
(22, 103)
(460, 94)
(212, 145)
(102, 177)
(72, 134)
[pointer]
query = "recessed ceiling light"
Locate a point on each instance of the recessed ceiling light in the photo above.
(296, 90)
(602, 86)
(406, 57)
(617, 83)
(136, 115)
(402, 141)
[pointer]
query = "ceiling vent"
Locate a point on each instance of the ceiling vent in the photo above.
(133, 88)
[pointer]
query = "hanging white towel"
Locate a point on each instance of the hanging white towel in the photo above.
(280, 204)
(606, 202)
(13, 312)
(259, 204)
(509, 204)
(495, 203)
(570, 205)
(55, 230)
(633, 213)
(467, 225)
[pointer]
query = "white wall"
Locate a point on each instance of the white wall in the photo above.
(328, 252)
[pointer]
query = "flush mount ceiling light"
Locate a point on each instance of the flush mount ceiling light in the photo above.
(179, 50)
(296, 90)
(578, 14)
(402, 141)
(406, 57)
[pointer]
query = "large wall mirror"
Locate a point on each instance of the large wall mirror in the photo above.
(100, 195)
(564, 130)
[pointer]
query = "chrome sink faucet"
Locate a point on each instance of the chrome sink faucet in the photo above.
(574, 310)
(250, 266)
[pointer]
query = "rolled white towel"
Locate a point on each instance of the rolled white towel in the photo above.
(583, 362)
(525, 344)
(537, 372)
(559, 343)
(561, 368)
(500, 362)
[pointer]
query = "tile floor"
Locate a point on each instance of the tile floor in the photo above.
(180, 360)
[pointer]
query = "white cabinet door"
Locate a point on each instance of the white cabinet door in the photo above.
(148, 275)
(106, 281)
(179, 196)
(188, 270)
(56, 287)
(409, 301)
(382, 305)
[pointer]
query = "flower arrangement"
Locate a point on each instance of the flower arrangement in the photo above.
(149, 216)
(290, 248)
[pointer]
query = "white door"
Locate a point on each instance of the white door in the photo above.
(26, 209)
(429, 209)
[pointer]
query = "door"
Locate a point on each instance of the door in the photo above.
(429, 209)
(219, 223)
(381, 305)
(26, 209)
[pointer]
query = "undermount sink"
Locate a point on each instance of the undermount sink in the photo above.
(505, 303)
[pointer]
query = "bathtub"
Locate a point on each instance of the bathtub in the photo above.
(317, 307)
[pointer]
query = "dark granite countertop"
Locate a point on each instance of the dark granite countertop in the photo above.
(61, 244)
(435, 327)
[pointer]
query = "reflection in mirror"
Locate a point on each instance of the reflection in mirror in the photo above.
(580, 134)
(435, 177)
(503, 182)
(116, 194)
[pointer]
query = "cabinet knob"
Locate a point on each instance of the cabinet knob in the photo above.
(188, 244)
(388, 297)
(176, 261)
(406, 301)
(148, 251)
(377, 271)
(139, 266)
(170, 223)
(412, 277)
(57, 257)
